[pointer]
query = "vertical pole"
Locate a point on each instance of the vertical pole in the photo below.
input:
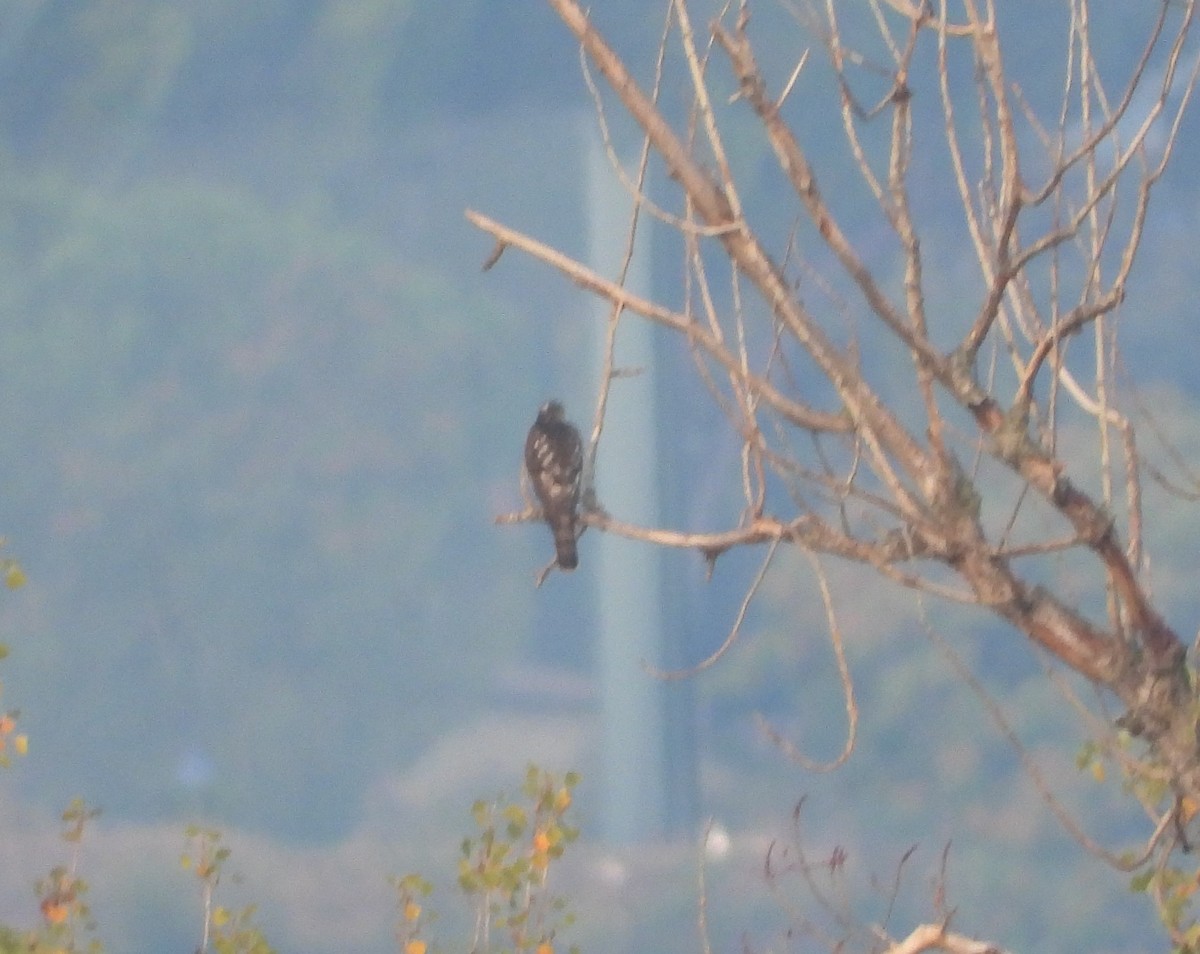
(629, 574)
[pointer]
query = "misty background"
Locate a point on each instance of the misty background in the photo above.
(260, 407)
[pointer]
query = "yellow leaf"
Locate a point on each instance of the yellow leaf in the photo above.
(54, 911)
(220, 917)
(14, 577)
(562, 800)
(1098, 771)
(414, 946)
(22, 744)
(412, 911)
(545, 948)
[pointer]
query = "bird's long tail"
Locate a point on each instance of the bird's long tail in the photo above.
(564, 544)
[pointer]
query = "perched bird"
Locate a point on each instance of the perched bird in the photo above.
(554, 461)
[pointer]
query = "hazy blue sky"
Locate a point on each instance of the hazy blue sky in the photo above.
(260, 408)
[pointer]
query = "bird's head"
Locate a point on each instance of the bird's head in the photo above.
(550, 411)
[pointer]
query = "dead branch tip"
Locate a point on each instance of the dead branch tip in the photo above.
(495, 256)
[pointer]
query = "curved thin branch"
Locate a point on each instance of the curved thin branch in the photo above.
(839, 652)
(669, 675)
(793, 411)
(884, 433)
(794, 163)
(992, 707)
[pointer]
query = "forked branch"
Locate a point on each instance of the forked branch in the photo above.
(843, 460)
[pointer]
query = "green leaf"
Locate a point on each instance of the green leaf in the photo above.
(480, 812)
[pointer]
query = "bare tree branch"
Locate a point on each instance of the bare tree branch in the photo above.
(837, 459)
